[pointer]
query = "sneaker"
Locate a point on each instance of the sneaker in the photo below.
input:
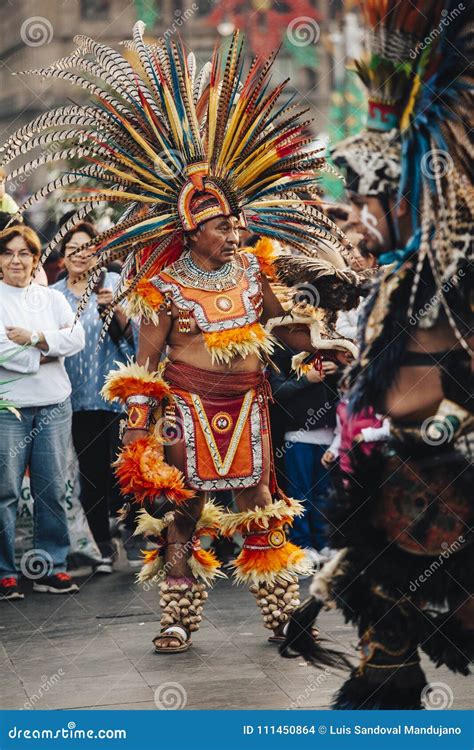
(59, 583)
(314, 557)
(328, 553)
(133, 546)
(105, 567)
(9, 589)
(134, 559)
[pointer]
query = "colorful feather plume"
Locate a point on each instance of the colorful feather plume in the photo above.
(155, 126)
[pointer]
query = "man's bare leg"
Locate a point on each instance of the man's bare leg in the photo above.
(260, 497)
(179, 538)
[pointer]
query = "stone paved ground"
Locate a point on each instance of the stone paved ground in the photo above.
(93, 650)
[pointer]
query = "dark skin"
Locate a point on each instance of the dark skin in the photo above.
(212, 245)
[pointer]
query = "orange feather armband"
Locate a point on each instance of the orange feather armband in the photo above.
(142, 472)
(134, 380)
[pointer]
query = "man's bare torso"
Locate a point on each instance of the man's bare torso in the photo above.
(191, 349)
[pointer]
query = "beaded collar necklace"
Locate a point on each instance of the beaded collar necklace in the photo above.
(189, 274)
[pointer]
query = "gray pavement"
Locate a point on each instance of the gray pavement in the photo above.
(93, 650)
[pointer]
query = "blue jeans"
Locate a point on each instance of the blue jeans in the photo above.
(39, 440)
(308, 481)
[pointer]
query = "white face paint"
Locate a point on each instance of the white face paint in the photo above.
(370, 223)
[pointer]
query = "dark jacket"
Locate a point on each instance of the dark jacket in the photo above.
(299, 404)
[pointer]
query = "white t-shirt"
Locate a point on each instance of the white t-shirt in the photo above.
(45, 310)
(322, 436)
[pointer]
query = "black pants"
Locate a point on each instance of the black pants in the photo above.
(96, 440)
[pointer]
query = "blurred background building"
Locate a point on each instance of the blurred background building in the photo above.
(316, 40)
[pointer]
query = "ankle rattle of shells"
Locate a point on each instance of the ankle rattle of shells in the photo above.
(276, 601)
(182, 603)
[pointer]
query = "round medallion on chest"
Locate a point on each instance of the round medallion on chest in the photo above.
(222, 422)
(224, 303)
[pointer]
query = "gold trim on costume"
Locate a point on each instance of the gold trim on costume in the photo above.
(223, 467)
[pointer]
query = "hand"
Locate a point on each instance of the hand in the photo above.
(45, 359)
(329, 368)
(18, 335)
(327, 459)
(344, 358)
(131, 436)
(314, 376)
(104, 296)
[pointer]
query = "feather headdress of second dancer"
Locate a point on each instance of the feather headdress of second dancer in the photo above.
(418, 149)
(176, 148)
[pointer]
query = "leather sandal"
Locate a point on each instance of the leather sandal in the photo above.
(178, 633)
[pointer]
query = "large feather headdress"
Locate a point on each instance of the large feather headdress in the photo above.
(176, 147)
(418, 71)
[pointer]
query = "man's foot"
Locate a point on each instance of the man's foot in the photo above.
(172, 640)
(59, 583)
(105, 567)
(9, 589)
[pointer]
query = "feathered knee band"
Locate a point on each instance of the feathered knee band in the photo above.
(266, 556)
(203, 563)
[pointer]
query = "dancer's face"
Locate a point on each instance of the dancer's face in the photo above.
(216, 241)
(368, 218)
